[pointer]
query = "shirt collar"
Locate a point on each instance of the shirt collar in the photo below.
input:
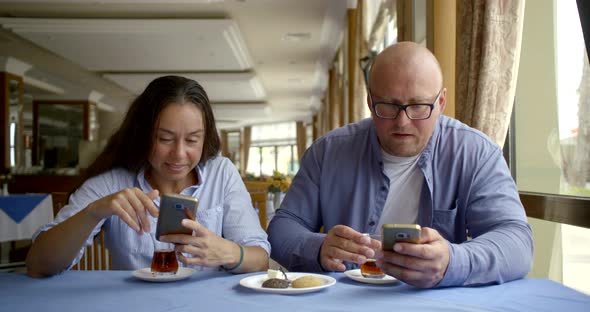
(428, 149)
(424, 156)
(145, 186)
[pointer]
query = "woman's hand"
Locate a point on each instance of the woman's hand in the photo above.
(132, 205)
(205, 247)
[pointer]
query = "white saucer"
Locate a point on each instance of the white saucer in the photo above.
(147, 275)
(255, 283)
(357, 276)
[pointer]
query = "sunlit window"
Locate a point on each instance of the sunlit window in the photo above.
(552, 155)
(12, 144)
(273, 148)
(572, 61)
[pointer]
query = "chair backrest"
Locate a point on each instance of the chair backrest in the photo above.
(259, 201)
(59, 200)
(96, 257)
(256, 186)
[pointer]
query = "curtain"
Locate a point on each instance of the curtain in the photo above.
(488, 50)
(224, 143)
(358, 98)
(245, 149)
(354, 40)
(301, 139)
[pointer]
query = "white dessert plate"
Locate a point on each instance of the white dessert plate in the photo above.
(255, 283)
(357, 276)
(147, 275)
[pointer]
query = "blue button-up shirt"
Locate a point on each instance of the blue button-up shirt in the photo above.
(468, 196)
(225, 208)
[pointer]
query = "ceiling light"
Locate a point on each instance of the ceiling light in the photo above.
(295, 80)
(297, 36)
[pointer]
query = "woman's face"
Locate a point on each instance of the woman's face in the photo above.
(178, 143)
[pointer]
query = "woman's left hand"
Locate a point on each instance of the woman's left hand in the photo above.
(205, 247)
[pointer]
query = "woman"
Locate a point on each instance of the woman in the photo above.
(168, 143)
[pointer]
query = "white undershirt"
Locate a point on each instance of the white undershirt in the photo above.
(405, 185)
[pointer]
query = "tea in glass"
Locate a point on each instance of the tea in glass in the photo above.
(164, 262)
(370, 269)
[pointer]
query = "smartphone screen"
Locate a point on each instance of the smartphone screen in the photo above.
(392, 233)
(174, 208)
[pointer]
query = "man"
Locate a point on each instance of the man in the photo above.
(406, 164)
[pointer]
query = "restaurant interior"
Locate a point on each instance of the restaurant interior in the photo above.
(280, 74)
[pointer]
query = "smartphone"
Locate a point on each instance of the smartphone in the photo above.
(392, 233)
(174, 208)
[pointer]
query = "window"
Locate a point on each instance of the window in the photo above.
(233, 144)
(388, 31)
(273, 147)
(551, 153)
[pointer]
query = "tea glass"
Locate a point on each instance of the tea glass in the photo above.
(369, 269)
(164, 260)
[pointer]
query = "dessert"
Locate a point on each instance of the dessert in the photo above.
(275, 281)
(307, 281)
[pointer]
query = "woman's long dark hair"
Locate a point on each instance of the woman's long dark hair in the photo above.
(130, 146)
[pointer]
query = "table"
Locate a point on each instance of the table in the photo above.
(220, 291)
(23, 214)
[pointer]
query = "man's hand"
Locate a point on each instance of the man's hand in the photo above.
(345, 244)
(422, 265)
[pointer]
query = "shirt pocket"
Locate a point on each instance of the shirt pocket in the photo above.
(211, 218)
(444, 221)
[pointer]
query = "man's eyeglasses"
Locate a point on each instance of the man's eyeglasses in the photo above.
(413, 111)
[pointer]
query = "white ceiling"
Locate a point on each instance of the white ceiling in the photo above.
(259, 60)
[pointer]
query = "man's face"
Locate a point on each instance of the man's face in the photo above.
(402, 136)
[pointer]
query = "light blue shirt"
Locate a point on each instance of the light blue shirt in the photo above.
(467, 192)
(225, 208)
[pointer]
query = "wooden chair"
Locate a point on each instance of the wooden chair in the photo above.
(259, 201)
(256, 186)
(96, 257)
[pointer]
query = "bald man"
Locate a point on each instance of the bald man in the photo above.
(406, 164)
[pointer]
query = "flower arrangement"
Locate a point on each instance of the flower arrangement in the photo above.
(278, 183)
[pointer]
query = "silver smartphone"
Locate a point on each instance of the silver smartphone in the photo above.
(392, 233)
(174, 208)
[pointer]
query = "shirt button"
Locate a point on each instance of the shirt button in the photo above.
(371, 223)
(383, 188)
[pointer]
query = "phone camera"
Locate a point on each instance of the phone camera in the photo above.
(178, 206)
(401, 235)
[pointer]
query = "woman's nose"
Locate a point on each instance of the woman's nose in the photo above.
(179, 148)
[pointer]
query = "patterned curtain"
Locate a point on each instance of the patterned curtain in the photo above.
(488, 51)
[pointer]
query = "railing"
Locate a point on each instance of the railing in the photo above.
(557, 208)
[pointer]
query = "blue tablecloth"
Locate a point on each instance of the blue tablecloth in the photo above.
(220, 291)
(18, 206)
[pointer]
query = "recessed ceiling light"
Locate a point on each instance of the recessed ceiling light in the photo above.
(297, 36)
(295, 80)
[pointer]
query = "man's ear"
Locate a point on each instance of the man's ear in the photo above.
(442, 100)
(369, 103)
